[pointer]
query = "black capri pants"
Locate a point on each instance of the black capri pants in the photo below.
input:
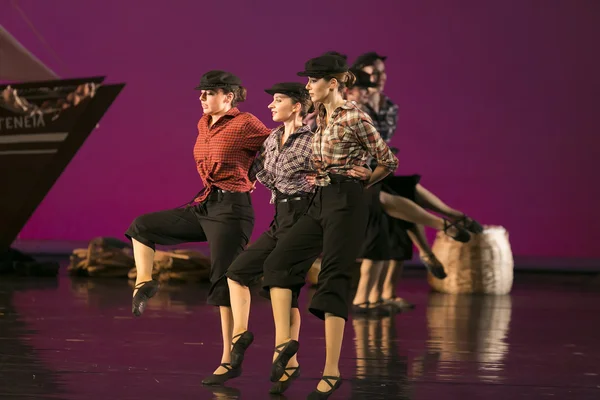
(225, 220)
(247, 268)
(335, 225)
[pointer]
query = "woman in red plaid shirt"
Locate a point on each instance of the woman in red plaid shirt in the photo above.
(221, 213)
(335, 222)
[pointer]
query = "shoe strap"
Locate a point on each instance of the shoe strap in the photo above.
(292, 368)
(237, 336)
(279, 347)
(139, 285)
(227, 366)
(328, 380)
(448, 224)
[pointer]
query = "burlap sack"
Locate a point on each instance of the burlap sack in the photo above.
(113, 258)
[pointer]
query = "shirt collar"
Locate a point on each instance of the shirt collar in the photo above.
(234, 111)
(231, 113)
(281, 128)
(348, 105)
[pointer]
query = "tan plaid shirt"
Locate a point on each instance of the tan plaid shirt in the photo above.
(347, 140)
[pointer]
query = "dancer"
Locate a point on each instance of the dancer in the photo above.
(386, 242)
(221, 213)
(334, 223)
(384, 114)
(401, 197)
(376, 247)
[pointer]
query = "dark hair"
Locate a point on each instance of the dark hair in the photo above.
(345, 79)
(239, 93)
(306, 104)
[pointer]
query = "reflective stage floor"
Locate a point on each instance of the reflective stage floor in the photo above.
(70, 338)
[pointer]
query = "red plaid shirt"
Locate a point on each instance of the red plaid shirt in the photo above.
(225, 151)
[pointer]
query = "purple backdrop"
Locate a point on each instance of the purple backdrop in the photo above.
(497, 102)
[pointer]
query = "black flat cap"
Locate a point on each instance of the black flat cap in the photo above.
(322, 66)
(289, 89)
(218, 79)
(363, 80)
(335, 53)
(367, 59)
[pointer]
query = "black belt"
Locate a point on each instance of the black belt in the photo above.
(219, 193)
(288, 199)
(338, 178)
(217, 190)
(285, 198)
(214, 191)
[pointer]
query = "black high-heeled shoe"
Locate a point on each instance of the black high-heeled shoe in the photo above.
(219, 379)
(318, 395)
(286, 351)
(433, 265)
(239, 348)
(462, 235)
(281, 386)
(145, 291)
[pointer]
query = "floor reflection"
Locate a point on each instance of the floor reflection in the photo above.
(381, 372)
(22, 373)
(79, 340)
(469, 332)
(227, 393)
(101, 293)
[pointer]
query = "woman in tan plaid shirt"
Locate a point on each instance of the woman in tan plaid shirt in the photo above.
(335, 222)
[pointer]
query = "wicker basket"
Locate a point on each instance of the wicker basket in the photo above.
(484, 265)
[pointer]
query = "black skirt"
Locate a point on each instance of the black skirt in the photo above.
(376, 244)
(400, 245)
(404, 186)
(386, 237)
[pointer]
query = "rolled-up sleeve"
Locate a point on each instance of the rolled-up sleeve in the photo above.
(375, 145)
